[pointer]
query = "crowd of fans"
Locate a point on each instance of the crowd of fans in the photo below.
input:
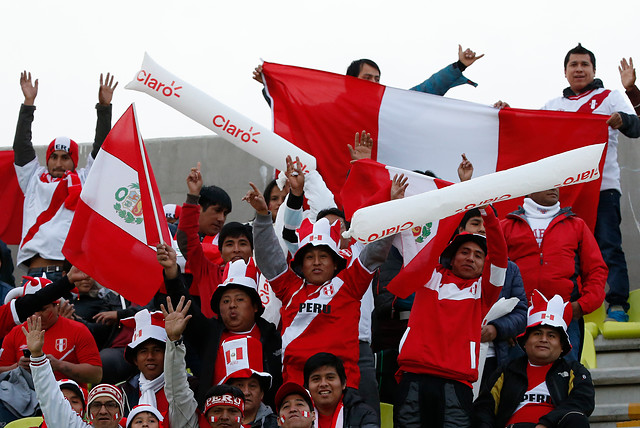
(282, 322)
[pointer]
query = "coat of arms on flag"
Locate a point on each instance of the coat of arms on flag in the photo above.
(129, 203)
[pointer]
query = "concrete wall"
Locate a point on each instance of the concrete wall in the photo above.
(231, 168)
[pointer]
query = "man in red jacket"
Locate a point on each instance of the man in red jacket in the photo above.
(557, 254)
(439, 351)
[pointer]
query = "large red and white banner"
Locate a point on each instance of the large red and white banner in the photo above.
(11, 201)
(119, 218)
(320, 113)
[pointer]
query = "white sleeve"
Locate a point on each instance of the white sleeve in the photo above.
(620, 103)
(318, 194)
(182, 403)
(26, 173)
(56, 410)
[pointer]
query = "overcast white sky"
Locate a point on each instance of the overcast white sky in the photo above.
(214, 45)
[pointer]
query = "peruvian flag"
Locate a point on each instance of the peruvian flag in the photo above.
(119, 219)
(11, 201)
(369, 183)
(320, 112)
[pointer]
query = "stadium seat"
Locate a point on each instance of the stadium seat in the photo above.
(386, 415)
(588, 358)
(597, 317)
(33, 422)
(634, 310)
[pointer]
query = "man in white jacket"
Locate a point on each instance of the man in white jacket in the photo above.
(104, 405)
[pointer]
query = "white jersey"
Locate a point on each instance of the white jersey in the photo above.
(599, 101)
(49, 237)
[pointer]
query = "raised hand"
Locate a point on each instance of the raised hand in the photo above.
(467, 57)
(175, 321)
(194, 180)
(362, 146)
(76, 274)
(627, 73)
(35, 335)
(295, 176)
(256, 200)
(166, 256)
(29, 90)
(105, 92)
(398, 186)
(465, 169)
(257, 74)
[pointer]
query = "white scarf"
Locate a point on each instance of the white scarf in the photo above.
(539, 217)
(148, 389)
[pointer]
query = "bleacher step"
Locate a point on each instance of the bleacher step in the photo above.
(615, 375)
(608, 345)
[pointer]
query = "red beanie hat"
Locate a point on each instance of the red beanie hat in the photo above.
(65, 144)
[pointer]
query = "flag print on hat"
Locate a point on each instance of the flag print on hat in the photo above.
(243, 359)
(554, 313)
(65, 144)
(315, 234)
(147, 326)
(241, 275)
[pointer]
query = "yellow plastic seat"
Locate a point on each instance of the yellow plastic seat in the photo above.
(597, 317)
(592, 329)
(33, 422)
(634, 310)
(588, 358)
(386, 415)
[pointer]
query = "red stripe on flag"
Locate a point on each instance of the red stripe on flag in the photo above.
(11, 201)
(530, 135)
(112, 257)
(348, 104)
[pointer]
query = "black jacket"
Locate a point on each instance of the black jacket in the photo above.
(357, 413)
(569, 384)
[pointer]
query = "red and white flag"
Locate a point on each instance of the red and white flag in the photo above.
(11, 201)
(320, 113)
(369, 183)
(119, 218)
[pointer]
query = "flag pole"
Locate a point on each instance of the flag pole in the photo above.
(146, 174)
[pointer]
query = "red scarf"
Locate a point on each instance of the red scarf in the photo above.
(71, 182)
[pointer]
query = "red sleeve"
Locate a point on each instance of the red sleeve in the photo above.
(206, 274)
(285, 284)
(593, 271)
(86, 348)
(8, 352)
(495, 266)
(357, 278)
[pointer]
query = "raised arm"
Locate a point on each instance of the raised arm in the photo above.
(450, 76)
(269, 257)
(182, 403)
(375, 254)
(628, 78)
(55, 408)
(103, 124)
(23, 151)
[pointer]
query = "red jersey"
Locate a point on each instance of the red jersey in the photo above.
(321, 319)
(66, 340)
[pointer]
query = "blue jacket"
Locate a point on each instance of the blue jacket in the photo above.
(440, 82)
(515, 322)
